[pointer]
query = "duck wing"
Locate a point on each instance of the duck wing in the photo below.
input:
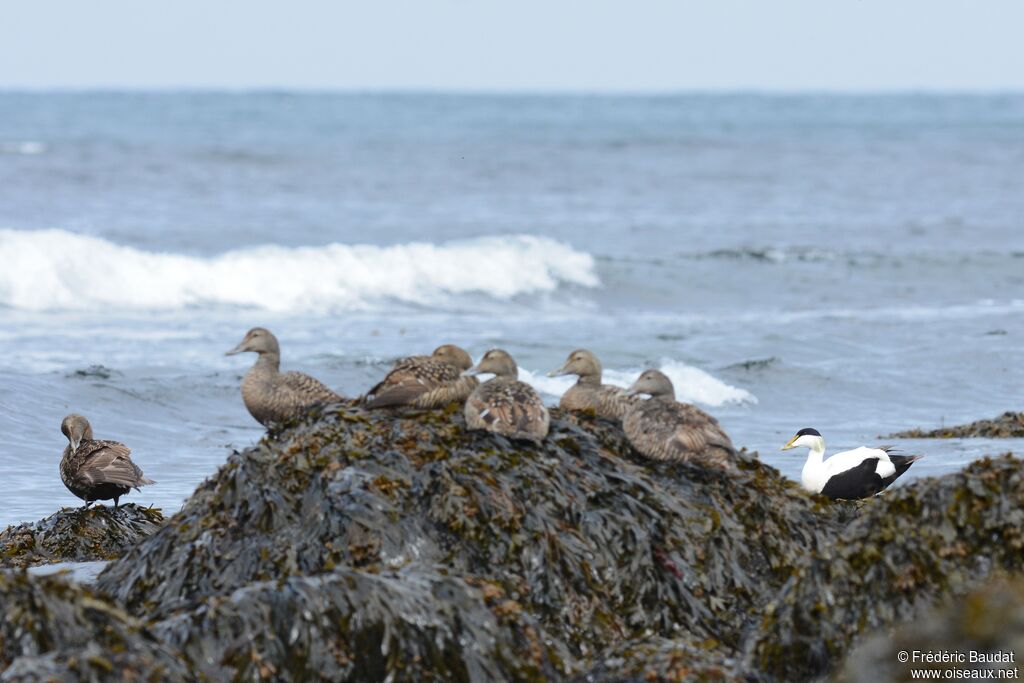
(697, 431)
(508, 406)
(845, 460)
(309, 388)
(901, 463)
(860, 481)
(410, 379)
(613, 401)
(108, 462)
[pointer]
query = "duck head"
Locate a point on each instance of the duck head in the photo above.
(453, 355)
(77, 429)
(582, 363)
(806, 438)
(496, 362)
(257, 340)
(654, 383)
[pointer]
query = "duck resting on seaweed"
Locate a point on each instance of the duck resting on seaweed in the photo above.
(503, 404)
(849, 475)
(271, 395)
(662, 428)
(96, 470)
(432, 381)
(588, 394)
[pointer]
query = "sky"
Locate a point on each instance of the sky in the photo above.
(515, 45)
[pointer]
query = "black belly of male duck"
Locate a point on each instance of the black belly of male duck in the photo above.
(863, 481)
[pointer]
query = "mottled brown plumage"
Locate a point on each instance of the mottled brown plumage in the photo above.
(505, 405)
(588, 394)
(663, 429)
(96, 470)
(426, 381)
(271, 395)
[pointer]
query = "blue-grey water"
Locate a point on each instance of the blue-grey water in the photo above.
(855, 264)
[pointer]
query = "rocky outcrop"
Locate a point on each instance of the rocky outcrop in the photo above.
(78, 535)
(395, 545)
(988, 622)
(51, 630)
(1009, 425)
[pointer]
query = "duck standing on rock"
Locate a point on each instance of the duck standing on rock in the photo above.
(96, 470)
(503, 404)
(849, 475)
(661, 428)
(430, 381)
(271, 395)
(588, 393)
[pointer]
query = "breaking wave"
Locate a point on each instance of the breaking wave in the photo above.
(692, 384)
(60, 270)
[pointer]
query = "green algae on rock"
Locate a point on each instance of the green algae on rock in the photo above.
(1009, 425)
(78, 535)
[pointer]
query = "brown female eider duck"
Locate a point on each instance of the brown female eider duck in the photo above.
(663, 429)
(271, 395)
(96, 470)
(504, 405)
(588, 393)
(430, 381)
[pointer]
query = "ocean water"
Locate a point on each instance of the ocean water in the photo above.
(855, 264)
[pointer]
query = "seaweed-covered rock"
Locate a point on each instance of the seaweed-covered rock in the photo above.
(988, 621)
(595, 545)
(78, 535)
(664, 660)
(916, 545)
(411, 625)
(1009, 425)
(397, 546)
(51, 630)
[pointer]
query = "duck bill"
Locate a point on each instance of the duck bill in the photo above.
(472, 372)
(75, 442)
(789, 444)
(632, 390)
(237, 350)
(559, 372)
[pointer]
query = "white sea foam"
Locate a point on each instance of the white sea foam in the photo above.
(692, 385)
(60, 270)
(26, 148)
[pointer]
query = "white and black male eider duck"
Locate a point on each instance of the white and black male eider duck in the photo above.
(661, 428)
(503, 404)
(96, 470)
(849, 475)
(275, 396)
(588, 393)
(430, 381)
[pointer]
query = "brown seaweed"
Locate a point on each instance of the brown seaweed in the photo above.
(1009, 425)
(358, 545)
(78, 535)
